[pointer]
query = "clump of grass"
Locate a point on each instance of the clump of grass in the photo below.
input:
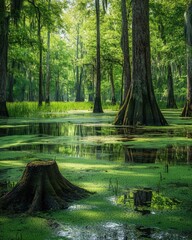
(22, 109)
(30, 109)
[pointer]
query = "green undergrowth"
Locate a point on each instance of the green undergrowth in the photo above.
(23, 227)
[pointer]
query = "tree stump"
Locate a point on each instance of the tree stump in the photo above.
(143, 197)
(41, 188)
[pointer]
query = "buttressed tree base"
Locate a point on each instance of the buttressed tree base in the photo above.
(41, 188)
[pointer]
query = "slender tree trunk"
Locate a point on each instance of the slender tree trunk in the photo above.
(47, 100)
(187, 110)
(31, 92)
(140, 106)
(91, 84)
(113, 98)
(122, 81)
(170, 98)
(125, 49)
(40, 45)
(97, 104)
(82, 74)
(57, 88)
(78, 89)
(81, 90)
(11, 83)
(4, 26)
(40, 61)
(22, 96)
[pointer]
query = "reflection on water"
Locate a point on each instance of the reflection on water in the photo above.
(93, 141)
(140, 155)
(114, 231)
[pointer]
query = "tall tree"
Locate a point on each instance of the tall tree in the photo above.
(47, 94)
(79, 69)
(187, 110)
(140, 106)
(125, 48)
(171, 103)
(40, 45)
(97, 103)
(113, 98)
(162, 27)
(4, 28)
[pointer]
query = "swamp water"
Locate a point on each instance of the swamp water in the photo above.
(91, 137)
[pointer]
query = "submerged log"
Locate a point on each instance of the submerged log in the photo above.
(41, 188)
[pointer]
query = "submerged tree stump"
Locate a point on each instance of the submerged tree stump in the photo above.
(41, 188)
(143, 197)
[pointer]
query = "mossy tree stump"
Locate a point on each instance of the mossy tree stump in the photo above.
(41, 188)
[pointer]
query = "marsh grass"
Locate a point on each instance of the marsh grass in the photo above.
(31, 109)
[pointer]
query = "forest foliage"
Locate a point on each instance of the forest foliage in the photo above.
(69, 59)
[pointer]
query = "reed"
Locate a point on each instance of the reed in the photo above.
(31, 109)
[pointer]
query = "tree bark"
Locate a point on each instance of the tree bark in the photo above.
(140, 106)
(97, 103)
(40, 60)
(40, 45)
(41, 188)
(11, 82)
(4, 27)
(57, 85)
(91, 84)
(113, 98)
(187, 110)
(78, 84)
(31, 87)
(170, 98)
(125, 49)
(48, 74)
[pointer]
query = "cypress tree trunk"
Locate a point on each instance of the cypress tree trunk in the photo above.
(113, 98)
(97, 104)
(125, 49)
(31, 87)
(11, 83)
(57, 85)
(79, 70)
(4, 26)
(40, 45)
(48, 77)
(140, 106)
(170, 98)
(187, 110)
(77, 99)
(40, 60)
